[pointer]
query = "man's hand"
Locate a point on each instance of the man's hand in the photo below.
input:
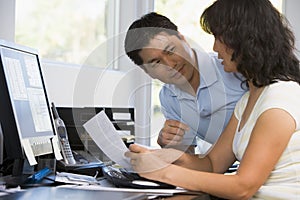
(172, 133)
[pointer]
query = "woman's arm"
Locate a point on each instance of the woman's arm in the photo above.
(219, 159)
(269, 139)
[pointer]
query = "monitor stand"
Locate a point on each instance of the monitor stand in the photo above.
(1, 145)
(18, 167)
(17, 176)
(21, 174)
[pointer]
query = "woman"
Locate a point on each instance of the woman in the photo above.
(264, 132)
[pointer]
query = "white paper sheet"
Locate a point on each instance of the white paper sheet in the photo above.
(28, 152)
(56, 148)
(107, 139)
(148, 191)
(77, 179)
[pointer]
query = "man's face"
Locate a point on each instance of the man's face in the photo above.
(169, 59)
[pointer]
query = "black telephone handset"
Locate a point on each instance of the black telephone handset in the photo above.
(63, 138)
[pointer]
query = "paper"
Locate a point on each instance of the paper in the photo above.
(78, 179)
(56, 148)
(107, 139)
(5, 191)
(148, 191)
(28, 152)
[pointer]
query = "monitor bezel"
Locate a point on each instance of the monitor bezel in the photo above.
(13, 149)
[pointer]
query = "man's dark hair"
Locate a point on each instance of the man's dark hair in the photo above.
(143, 30)
(260, 37)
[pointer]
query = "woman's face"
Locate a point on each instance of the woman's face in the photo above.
(225, 53)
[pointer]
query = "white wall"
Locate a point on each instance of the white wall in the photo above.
(291, 9)
(75, 86)
(7, 20)
(79, 86)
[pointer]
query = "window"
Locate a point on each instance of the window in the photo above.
(186, 15)
(65, 31)
(73, 33)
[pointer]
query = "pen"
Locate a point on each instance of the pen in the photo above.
(38, 176)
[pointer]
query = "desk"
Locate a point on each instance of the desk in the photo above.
(52, 193)
(73, 193)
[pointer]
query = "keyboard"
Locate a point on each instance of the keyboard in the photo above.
(120, 177)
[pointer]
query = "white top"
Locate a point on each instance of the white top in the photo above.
(284, 180)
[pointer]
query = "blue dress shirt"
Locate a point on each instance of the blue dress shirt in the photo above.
(209, 111)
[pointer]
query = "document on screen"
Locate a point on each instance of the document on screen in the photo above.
(104, 134)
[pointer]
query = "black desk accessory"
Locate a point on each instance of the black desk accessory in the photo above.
(120, 177)
(85, 164)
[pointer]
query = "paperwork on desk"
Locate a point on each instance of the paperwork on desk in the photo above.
(162, 192)
(77, 179)
(7, 191)
(107, 139)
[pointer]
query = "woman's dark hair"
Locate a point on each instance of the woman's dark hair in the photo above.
(260, 36)
(143, 30)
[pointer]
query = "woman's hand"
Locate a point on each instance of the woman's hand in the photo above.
(144, 160)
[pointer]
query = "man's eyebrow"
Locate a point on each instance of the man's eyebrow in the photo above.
(154, 59)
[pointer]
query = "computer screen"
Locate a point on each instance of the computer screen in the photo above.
(25, 111)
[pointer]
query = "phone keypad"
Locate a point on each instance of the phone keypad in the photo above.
(66, 149)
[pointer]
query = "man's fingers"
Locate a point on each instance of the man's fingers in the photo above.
(171, 141)
(176, 124)
(173, 130)
(172, 133)
(171, 137)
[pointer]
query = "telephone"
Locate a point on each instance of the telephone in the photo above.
(74, 162)
(63, 138)
(120, 177)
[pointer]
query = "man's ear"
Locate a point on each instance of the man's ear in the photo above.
(183, 39)
(181, 36)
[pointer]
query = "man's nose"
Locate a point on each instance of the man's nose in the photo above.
(170, 62)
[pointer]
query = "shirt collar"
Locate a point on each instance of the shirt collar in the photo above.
(207, 65)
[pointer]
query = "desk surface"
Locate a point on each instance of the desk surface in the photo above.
(50, 193)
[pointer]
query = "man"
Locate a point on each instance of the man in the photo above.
(198, 96)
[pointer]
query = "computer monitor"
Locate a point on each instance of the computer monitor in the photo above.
(25, 111)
